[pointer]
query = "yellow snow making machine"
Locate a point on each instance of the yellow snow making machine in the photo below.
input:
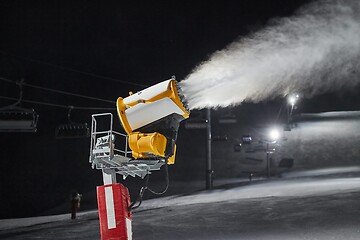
(151, 120)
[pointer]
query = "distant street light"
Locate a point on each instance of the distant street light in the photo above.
(274, 135)
(292, 99)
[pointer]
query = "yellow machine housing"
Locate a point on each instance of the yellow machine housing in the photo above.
(151, 119)
(146, 145)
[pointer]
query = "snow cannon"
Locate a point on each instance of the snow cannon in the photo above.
(151, 119)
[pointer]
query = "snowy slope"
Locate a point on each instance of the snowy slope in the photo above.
(323, 206)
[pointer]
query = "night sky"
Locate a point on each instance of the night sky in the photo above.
(105, 49)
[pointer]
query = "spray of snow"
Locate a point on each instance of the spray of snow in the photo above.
(315, 51)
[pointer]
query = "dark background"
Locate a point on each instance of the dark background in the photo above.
(104, 50)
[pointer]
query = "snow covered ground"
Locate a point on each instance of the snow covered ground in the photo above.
(306, 205)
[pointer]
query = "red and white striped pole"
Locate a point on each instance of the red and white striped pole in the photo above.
(113, 204)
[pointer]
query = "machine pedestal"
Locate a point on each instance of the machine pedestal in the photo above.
(114, 215)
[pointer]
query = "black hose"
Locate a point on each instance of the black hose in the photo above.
(166, 179)
(145, 187)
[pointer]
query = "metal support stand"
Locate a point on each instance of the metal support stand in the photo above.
(267, 161)
(109, 176)
(209, 171)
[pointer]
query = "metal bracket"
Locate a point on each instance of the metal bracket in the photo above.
(105, 155)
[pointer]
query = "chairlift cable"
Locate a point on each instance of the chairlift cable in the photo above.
(72, 70)
(58, 91)
(58, 105)
(6, 80)
(67, 93)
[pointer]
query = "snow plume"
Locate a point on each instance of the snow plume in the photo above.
(315, 51)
